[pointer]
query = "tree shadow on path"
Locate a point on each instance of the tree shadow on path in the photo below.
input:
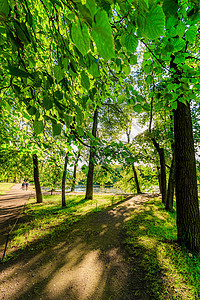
(89, 263)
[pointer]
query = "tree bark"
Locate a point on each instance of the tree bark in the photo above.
(64, 180)
(136, 180)
(74, 172)
(89, 186)
(36, 179)
(163, 185)
(159, 179)
(171, 186)
(187, 204)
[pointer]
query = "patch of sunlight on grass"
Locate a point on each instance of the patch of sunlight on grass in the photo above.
(48, 219)
(176, 277)
(142, 227)
(172, 272)
(5, 186)
(147, 242)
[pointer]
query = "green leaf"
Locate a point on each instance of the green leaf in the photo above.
(80, 37)
(138, 108)
(68, 120)
(149, 79)
(85, 81)
(29, 19)
(36, 79)
(146, 2)
(4, 7)
(56, 2)
(169, 47)
(84, 169)
(140, 98)
(170, 7)
(179, 43)
(131, 42)
(17, 72)
(94, 67)
(147, 68)
(65, 62)
(171, 21)
(191, 34)
(85, 12)
(47, 102)
(146, 107)
(174, 105)
(58, 95)
(179, 59)
(154, 23)
(133, 59)
(180, 29)
(91, 5)
(126, 69)
(80, 131)
(22, 32)
(173, 32)
(56, 129)
(132, 100)
(120, 99)
(102, 35)
(59, 73)
(31, 110)
(79, 116)
(38, 126)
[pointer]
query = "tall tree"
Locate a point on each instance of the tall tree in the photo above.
(74, 170)
(64, 180)
(188, 221)
(163, 181)
(36, 179)
(89, 186)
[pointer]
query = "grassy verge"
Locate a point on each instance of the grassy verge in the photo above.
(4, 187)
(171, 271)
(44, 223)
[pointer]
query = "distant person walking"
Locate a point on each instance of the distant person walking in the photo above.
(23, 185)
(26, 183)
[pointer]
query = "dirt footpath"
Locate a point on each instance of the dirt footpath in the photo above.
(11, 205)
(87, 263)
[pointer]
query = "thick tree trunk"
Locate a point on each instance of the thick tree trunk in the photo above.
(171, 186)
(187, 204)
(74, 172)
(162, 170)
(36, 179)
(89, 186)
(136, 180)
(64, 180)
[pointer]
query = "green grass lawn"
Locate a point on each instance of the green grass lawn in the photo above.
(4, 187)
(171, 272)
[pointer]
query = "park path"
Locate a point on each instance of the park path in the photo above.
(87, 263)
(11, 205)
